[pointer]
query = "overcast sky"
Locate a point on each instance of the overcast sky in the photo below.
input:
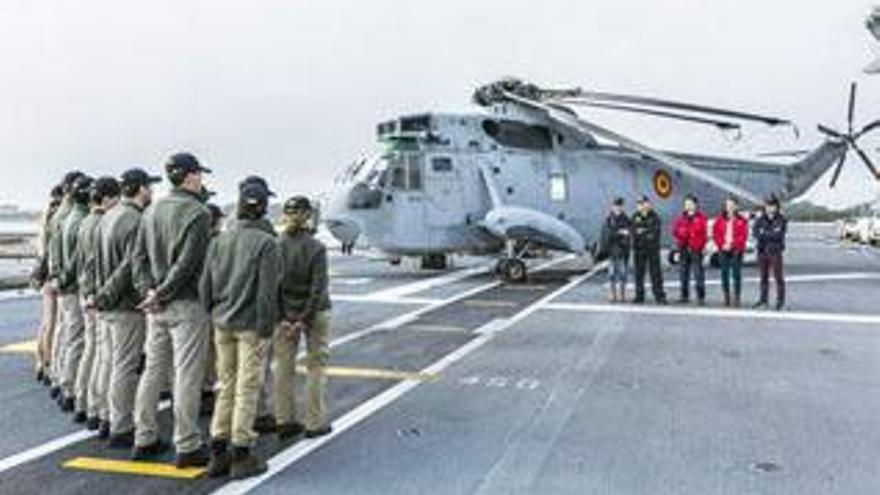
(292, 90)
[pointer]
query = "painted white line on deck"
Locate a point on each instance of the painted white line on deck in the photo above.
(429, 283)
(55, 445)
(291, 455)
(692, 311)
(14, 294)
(366, 298)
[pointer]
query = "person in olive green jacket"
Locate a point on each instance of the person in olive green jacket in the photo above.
(122, 327)
(305, 306)
(104, 195)
(239, 287)
(40, 280)
(55, 264)
(73, 332)
(168, 257)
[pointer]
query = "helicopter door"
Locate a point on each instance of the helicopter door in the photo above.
(443, 188)
(406, 172)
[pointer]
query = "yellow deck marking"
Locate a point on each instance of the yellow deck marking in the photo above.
(26, 347)
(372, 373)
(489, 303)
(138, 468)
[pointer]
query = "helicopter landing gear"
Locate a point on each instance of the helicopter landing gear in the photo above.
(512, 268)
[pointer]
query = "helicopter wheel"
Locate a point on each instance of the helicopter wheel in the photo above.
(513, 270)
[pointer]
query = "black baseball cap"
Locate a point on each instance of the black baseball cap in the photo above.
(184, 163)
(643, 199)
(256, 179)
(105, 187)
(772, 201)
(618, 201)
(138, 177)
(71, 177)
(253, 194)
(297, 203)
(57, 192)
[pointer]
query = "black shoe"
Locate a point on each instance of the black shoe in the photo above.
(54, 392)
(40, 376)
(104, 430)
(760, 305)
(220, 459)
(93, 423)
(67, 404)
(780, 305)
(79, 417)
(46, 380)
(287, 431)
(265, 424)
(149, 452)
(662, 301)
(245, 464)
(197, 458)
(124, 440)
(320, 432)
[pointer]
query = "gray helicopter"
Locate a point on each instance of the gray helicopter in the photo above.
(873, 25)
(524, 171)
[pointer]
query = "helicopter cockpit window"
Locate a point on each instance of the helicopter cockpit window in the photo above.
(406, 171)
(558, 187)
(514, 134)
(441, 164)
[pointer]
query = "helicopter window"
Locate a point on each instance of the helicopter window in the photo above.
(515, 134)
(415, 123)
(558, 187)
(441, 164)
(398, 177)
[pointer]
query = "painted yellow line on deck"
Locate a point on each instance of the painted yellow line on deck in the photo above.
(490, 303)
(137, 468)
(372, 373)
(26, 347)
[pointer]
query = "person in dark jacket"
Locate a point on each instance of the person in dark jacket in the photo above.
(239, 287)
(769, 231)
(616, 243)
(646, 228)
(121, 326)
(305, 308)
(730, 232)
(690, 234)
(168, 257)
(104, 196)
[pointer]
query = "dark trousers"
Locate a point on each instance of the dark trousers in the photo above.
(692, 261)
(648, 260)
(731, 267)
(766, 264)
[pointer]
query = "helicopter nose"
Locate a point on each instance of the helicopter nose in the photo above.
(345, 230)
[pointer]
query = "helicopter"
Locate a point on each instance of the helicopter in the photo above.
(525, 170)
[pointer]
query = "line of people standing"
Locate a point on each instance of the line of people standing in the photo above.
(143, 298)
(639, 237)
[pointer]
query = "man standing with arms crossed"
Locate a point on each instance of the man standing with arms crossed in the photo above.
(123, 325)
(168, 258)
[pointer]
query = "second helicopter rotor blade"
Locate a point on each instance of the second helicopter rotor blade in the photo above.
(830, 132)
(851, 115)
(867, 161)
(837, 169)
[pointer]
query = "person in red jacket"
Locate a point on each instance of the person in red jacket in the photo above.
(730, 233)
(689, 233)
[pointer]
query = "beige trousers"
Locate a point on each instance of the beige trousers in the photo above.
(86, 362)
(284, 370)
(177, 342)
(240, 371)
(47, 331)
(126, 332)
(73, 340)
(98, 384)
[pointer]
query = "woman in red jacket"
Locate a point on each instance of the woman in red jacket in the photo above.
(730, 232)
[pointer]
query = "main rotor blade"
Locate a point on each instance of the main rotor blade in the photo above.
(678, 105)
(561, 114)
(865, 159)
(721, 124)
(837, 170)
(868, 128)
(783, 153)
(851, 115)
(829, 131)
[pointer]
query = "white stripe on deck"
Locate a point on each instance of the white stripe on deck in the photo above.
(692, 311)
(428, 283)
